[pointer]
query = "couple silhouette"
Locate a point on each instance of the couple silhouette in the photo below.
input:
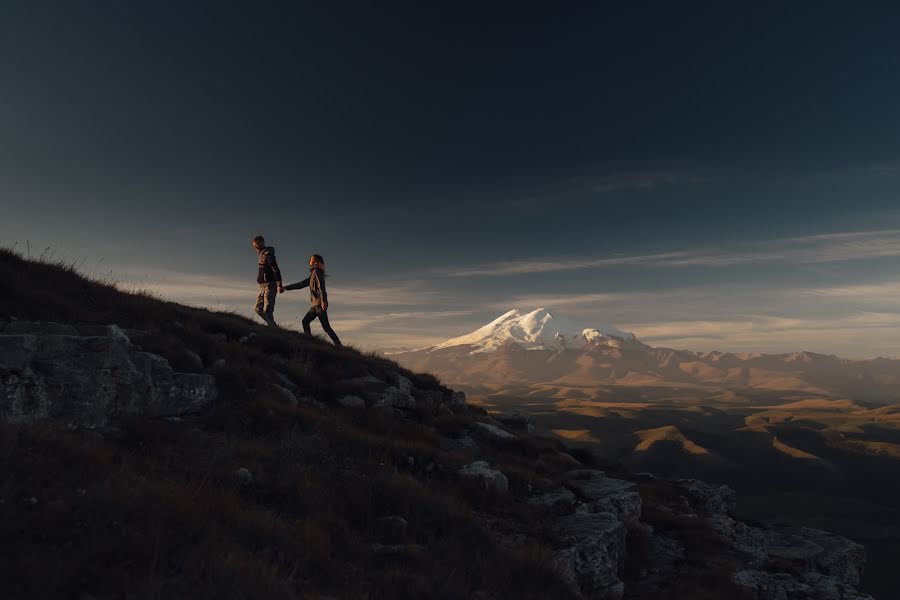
(269, 280)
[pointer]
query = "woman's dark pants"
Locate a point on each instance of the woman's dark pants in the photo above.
(316, 311)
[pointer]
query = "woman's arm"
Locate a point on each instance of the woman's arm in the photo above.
(299, 285)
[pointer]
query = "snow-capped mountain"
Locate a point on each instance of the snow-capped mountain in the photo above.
(535, 330)
(542, 349)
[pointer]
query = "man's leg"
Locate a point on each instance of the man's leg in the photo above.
(259, 309)
(269, 305)
(308, 318)
(323, 319)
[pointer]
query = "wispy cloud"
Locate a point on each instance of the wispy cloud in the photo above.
(615, 182)
(813, 249)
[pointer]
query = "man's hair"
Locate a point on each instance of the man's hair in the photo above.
(259, 239)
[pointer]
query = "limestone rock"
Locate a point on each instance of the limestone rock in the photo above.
(396, 397)
(456, 401)
(592, 553)
(707, 499)
(764, 585)
(494, 431)
(518, 422)
(491, 480)
(557, 502)
(351, 401)
(605, 494)
(50, 372)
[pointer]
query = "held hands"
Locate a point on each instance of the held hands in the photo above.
(280, 289)
(324, 305)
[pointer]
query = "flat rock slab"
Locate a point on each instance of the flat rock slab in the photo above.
(557, 502)
(764, 585)
(493, 431)
(606, 494)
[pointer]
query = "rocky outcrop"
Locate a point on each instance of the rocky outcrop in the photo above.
(764, 585)
(492, 431)
(556, 502)
(592, 553)
(606, 494)
(707, 499)
(780, 562)
(397, 395)
(88, 376)
(482, 476)
(518, 422)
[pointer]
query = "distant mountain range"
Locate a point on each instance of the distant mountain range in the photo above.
(540, 348)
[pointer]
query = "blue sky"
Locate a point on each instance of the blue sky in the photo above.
(709, 177)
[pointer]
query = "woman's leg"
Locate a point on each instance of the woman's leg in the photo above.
(308, 318)
(323, 319)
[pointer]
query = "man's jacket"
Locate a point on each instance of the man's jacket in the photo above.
(268, 267)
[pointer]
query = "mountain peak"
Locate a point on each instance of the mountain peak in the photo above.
(534, 330)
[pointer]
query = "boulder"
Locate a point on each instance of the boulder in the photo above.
(557, 502)
(396, 397)
(490, 480)
(518, 422)
(840, 558)
(493, 431)
(592, 553)
(799, 549)
(765, 585)
(54, 373)
(707, 499)
(456, 401)
(605, 494)
(351, 401)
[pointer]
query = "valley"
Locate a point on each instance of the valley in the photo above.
(805, 439)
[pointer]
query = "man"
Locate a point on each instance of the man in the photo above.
(269, 280)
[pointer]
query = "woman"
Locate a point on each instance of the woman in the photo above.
(318, 297)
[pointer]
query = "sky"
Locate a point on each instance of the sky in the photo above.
(708, 175)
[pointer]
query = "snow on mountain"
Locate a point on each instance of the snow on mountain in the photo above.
(534, 330)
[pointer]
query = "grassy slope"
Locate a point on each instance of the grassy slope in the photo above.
(152, 508)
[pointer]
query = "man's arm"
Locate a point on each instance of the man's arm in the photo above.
(299, 285)
(273, 264)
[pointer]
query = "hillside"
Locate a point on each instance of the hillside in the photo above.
(156, 450)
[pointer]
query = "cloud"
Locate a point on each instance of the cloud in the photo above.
(641, 180)
(813, 249)
(862, 334)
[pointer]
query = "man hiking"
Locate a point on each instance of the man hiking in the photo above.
(269, 280)
(318, 297)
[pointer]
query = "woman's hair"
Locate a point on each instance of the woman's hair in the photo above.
(320, 262)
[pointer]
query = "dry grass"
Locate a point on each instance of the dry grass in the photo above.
(153, 508)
